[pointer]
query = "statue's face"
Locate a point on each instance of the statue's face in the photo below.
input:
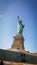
(20, 22)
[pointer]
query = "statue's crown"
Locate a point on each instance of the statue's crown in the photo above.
(20, 21)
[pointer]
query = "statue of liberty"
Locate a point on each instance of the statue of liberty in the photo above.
(20, 27)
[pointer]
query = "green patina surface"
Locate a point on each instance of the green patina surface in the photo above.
(20, 27)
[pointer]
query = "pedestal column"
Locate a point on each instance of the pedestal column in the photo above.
(18, 42)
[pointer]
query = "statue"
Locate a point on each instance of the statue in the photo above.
(20, 26)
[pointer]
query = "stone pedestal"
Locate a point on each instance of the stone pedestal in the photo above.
(18, 42)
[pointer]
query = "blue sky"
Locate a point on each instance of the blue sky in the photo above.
(27, 11)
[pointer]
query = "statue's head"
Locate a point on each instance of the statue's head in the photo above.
(20, 22)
